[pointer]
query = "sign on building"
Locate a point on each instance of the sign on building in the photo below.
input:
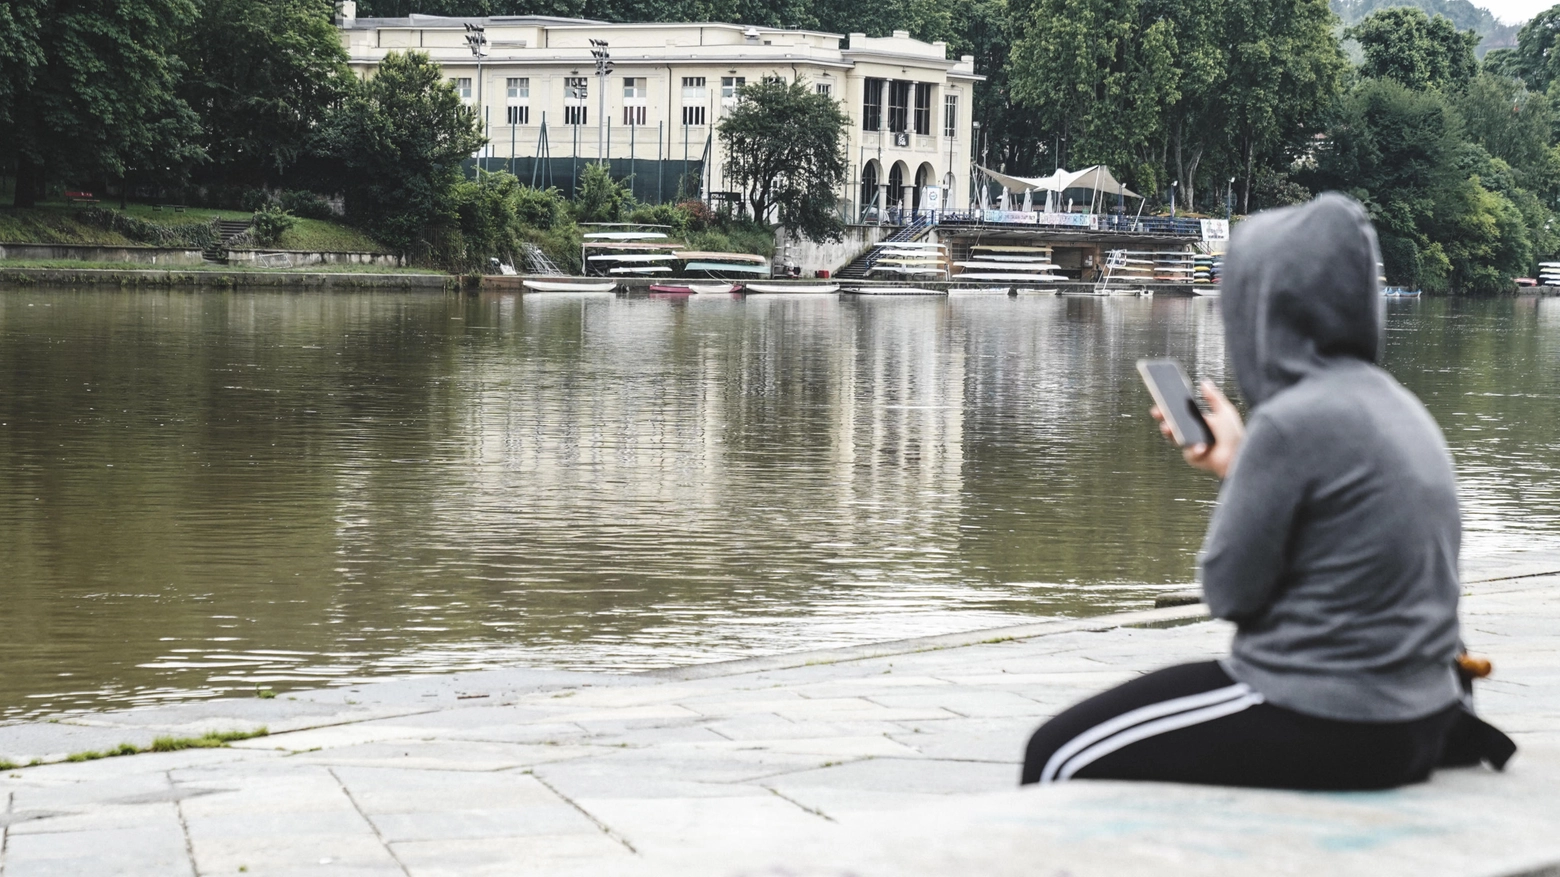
(931, 197)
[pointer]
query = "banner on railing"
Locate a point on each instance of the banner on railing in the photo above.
(1215, 229)
(1022, 217)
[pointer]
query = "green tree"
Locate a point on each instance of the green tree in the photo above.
(1506, 119)
(785, 144)
(1098, 73)
(398, 141)
(1285, 71)
(600, 198)
(262, 74)
(99, 102)
(1534, 60)
(1404, 44)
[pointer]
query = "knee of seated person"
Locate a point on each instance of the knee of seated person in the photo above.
(1043, 743)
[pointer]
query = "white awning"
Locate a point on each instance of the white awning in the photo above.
(1097, 177)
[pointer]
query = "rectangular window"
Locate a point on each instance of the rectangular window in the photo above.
(824, 88)
(772, 80)
(634, 115)
(923, 108)
(872, 106)
(519, 114)
(951, 115)
(694, 97)
(517, 89)
(463, 86)
(576, 88)
(576, 115)
(898, 106)
(729, 86)
(633, 89)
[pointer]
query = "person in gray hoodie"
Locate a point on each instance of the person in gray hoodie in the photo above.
(1333, 549)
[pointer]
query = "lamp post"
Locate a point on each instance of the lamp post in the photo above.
(1174, 184)
(598, 51)
(476, 38)
(1229, 201)
(973, 152)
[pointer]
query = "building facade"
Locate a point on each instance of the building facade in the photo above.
(910, 107)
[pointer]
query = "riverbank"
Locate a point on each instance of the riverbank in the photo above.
(893, 759)
(358, 277)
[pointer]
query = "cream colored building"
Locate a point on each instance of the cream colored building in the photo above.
(909, 105)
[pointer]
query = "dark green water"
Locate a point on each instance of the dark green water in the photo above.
(204, 491)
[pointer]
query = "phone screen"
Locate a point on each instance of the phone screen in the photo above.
(1172, 392)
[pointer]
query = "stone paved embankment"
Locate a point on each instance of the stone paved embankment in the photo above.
(895, 759)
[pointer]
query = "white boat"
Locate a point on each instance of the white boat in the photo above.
(641, 269)
(1029, 290)
(714, 288)
(1015, 267)
(980, 290)
(911, 245)
(795, 289)
(569, 285)
(894, 290)
(624, 236)
(634, 257)
(1014, 277)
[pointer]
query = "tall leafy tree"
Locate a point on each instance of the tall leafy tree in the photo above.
(1097, 74)
(1404, 44)
(1511, 122)
(1285, 70)
(1534, 60)
(785, 144)
(398, 141)
(95, 98)
(262, 75)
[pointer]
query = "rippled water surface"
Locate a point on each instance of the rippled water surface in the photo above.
(202, 492)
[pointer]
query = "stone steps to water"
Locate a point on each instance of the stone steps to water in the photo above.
(227, 230)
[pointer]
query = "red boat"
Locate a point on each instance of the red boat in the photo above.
(668, 289)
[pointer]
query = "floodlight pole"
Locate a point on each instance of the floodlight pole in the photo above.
(603, 70)
(476, 38)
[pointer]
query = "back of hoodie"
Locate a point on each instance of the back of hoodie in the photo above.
(1334, 544)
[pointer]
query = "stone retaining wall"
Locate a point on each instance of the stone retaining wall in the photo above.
(300, 258)
(93, 253)
(222, 279)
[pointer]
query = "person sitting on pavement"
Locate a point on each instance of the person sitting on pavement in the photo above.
(1333, 549)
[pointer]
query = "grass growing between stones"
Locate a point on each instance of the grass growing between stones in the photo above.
(209, 740)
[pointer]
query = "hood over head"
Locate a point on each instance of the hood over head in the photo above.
(1300, 290)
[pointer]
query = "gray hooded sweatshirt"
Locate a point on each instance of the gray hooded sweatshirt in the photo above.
(1334, 544)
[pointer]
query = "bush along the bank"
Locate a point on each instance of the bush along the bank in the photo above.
(199, 235)
(269, 224)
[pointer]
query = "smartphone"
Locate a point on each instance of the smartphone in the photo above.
(1172, 392)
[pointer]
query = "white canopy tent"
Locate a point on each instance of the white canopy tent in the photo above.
(1097, 178)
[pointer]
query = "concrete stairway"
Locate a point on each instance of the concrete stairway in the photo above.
(862, 266)
(227, 230)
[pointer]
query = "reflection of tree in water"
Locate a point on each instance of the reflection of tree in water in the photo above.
(316, 486)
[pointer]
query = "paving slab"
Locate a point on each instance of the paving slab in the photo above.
(888, 759)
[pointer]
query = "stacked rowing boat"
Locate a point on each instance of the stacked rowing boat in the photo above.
(1549, 273)
(628, 253)
(722, 265)
(1003, 267)
(906, 260)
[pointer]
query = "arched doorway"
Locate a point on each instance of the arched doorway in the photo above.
(896, 184)
(871, 178)
(924, 176)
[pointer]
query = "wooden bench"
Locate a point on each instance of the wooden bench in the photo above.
(80, 198)
(176, 208)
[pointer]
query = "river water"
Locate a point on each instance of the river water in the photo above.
(205, 492)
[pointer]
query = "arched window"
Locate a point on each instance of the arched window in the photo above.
(896, 184)
(869, 185)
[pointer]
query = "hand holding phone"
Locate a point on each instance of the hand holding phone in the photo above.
(1225, 431)
(1172, 392)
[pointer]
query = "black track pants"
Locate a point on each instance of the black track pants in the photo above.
(1192, 723)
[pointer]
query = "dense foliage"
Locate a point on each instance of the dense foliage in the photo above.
(249, 104)
(785, 148)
